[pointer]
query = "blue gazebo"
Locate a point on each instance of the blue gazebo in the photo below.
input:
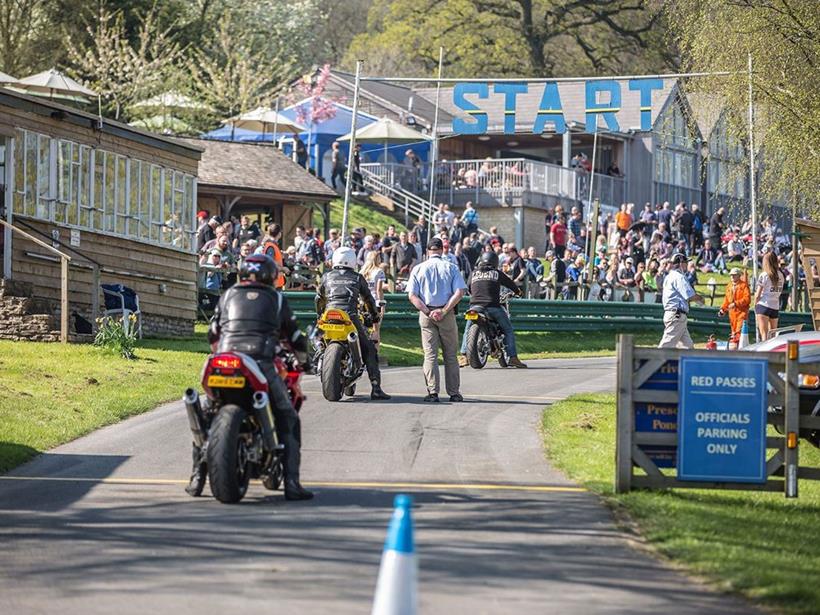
(319, 138)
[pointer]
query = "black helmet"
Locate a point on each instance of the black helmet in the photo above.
(488, 260)
(259, 268)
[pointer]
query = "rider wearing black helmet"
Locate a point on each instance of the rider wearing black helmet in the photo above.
(251, 317)
(485, 291)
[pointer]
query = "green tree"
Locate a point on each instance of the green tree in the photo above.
(123, 71)
(25, 36)
(783, 37)
(513, 37)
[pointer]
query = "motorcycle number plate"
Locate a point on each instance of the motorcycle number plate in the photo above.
(228, 382)
(469, 316)
(328, 327)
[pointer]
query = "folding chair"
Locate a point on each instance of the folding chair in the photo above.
(122, 301)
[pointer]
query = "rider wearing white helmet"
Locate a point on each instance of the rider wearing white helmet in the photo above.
(341, 287)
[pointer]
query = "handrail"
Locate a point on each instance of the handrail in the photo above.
(64, 260)
(68, 248)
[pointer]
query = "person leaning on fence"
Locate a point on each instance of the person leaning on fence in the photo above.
(677, 296)
(435, 287)
(736, 302)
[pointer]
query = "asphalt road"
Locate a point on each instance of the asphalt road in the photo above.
(101, 525)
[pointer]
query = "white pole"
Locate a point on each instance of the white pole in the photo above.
(592, 178)
(275, 120)
(351, 147)
(752, 194)
(434, 147)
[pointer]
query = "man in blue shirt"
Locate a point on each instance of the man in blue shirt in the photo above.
(677, 295)
(435, 287)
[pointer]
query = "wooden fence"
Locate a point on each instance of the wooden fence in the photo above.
(640, 454)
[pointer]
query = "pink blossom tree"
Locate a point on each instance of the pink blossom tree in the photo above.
(318, 107)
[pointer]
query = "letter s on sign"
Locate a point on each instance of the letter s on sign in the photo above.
(460, 125)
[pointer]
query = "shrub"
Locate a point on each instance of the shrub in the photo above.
(117, 336)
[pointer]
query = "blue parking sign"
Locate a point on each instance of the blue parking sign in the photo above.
(722, 420)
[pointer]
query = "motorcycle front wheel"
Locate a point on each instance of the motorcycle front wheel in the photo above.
(228, 464)
(332, 365)
(478, 347)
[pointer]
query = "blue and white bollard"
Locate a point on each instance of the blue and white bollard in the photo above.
(397, 585)
(744, 336)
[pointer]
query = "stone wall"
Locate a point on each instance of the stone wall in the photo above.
(166, 326)
(23, 317)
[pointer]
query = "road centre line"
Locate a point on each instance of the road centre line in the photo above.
(468, 398)
(328, 484)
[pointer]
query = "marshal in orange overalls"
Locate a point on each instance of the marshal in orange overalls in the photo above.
(739, 297)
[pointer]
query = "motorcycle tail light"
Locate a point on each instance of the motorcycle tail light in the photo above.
(332, 315)
(226, 361)
(809, 381)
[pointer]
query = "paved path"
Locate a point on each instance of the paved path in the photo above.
(109, 530)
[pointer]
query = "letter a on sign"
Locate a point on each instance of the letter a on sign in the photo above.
(479, 126)
(550, 110)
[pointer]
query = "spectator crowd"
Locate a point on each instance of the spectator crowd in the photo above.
(632, 251)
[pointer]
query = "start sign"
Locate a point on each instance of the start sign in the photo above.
(722, 420)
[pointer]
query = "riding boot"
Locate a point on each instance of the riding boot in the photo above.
(294, 490)
(376, 391)
(198, 474)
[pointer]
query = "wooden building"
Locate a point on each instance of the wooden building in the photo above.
(119, 201)
(248, 178)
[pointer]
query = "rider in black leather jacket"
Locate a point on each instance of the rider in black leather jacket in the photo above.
(252, 318)
(342, 287)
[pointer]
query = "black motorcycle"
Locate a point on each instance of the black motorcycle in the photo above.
(233, 430)
(485, 337)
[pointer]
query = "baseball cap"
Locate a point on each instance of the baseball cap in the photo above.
(435, 244)
(735, 271)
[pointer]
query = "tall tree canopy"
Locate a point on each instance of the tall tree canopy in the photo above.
(513, 37)
(783, 37)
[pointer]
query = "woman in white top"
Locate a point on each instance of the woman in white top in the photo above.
(374, 275)
(767, 296)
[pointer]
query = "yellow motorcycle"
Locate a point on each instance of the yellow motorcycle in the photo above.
(339, 357)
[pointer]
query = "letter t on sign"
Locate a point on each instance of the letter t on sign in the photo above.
(510, 91)
(608, 110)
(645, 87)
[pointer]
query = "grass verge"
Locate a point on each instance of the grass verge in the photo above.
(369, 217)
(51, 394)
(758, 544)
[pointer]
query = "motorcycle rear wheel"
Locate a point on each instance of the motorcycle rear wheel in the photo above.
(228, 465)
(332, 381)
(477, 347)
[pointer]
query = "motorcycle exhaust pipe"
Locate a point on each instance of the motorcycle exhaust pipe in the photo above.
(263, 414)
(355, 349)
(195, 422)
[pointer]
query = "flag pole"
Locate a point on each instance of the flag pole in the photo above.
(752, 192)
(351, 147)
(434, 148)
(275, 120)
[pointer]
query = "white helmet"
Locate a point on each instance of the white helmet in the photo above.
(344, 257)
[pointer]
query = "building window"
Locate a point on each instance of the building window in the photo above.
(727, 170)
(675, 149)
(72, 184)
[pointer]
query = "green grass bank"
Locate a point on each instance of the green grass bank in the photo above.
(758, 544)
(51, 394)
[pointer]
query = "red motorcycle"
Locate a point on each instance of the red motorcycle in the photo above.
(233, 430)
